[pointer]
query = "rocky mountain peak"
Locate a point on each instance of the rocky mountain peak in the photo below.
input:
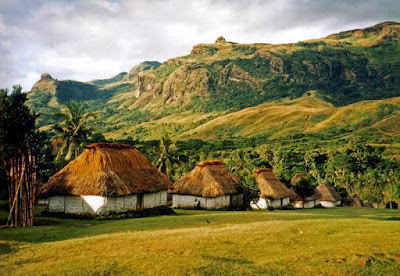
(45, 76)
(220, 39)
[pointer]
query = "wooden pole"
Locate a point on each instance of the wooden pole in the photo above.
(15, 197)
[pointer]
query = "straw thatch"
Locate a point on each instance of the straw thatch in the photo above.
(208, 179)
(327, 192)
(107, 170)
(317, 195)
(293, 196)
(296, 178)
(269, 184)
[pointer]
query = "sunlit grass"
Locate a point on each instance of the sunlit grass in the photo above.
(338, 241)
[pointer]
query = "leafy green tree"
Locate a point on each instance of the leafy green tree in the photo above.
(166, 156)
(304, 188)
(21, 149)
(72, 131)
(392, 187)
(243, 164)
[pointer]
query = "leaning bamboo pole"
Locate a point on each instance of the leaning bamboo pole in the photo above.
(15, 198)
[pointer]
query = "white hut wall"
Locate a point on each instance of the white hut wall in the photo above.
(261, 204)
(330, 203)
(56, 204)
(154, 199)
(188, 201)
(73, 205)
(285, 201)
(94, 204)
(218, 202)
(297, 204)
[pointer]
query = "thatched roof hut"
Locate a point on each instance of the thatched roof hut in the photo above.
(209, 179)
(328, 196)
(327, 192)
(270, 185)
(107, 170)
(271, 188)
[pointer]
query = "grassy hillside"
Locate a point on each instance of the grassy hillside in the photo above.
(338, 241)
(307, 115)
(225, 90)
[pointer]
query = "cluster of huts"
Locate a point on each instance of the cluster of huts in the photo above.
(111, 178)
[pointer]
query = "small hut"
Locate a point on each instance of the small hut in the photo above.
(210, 185)
(329, 197)
(296, 200)
(106, 178)
(272, 191)
(307, 203)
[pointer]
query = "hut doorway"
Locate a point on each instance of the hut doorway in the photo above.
(139, 203)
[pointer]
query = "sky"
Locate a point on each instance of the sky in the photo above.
(94, 39)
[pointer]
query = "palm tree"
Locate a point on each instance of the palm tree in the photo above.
(72, 131)
(166, 155)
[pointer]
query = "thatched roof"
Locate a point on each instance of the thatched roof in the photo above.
(296, 178)
(327, 192)
(208, 179)
(315, 196)
(107, 170)
(269, 184)
(293, 196)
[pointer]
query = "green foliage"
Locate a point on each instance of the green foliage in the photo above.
(257, 66)
(114, 79)
(244, 49)
(77, 91)
(19, 137)
(73, 130)
(304, 187)
(166, 156)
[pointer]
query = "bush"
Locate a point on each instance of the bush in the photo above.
(270, 208)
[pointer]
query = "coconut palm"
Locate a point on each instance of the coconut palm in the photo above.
(166, 155)
(72, 131)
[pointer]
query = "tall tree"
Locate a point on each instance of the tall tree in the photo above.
(19, 145)
(72, 131)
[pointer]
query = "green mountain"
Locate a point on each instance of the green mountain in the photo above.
(230, 90)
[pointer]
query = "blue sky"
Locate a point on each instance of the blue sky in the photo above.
(90, 39)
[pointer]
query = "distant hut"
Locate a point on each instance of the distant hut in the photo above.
(272, 191)
(210, 185)
(329, 197)
(307, 203)
(106, 178)
(296, 200)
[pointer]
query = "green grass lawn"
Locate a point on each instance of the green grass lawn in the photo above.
(338, 241)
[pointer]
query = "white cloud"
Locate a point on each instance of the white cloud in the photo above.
(88, 39)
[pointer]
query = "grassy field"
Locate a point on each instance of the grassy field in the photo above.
(339, 241)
